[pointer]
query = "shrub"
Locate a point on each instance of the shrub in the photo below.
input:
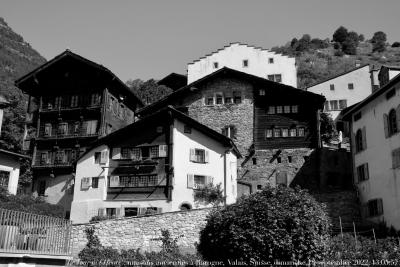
(209, 194)
(338, 53)
(274, 224)
(396, 44)
(379, 42)
(99, 218)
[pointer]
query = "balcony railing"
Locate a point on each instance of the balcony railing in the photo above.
(39, 162)
(55, 134)
(59, 108)
(27, 233)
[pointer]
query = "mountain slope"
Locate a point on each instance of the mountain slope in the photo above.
(17, 58)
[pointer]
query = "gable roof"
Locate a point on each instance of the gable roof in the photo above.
(170, 112)
(173, 80)
(13, 154)
(336, 76)
(24, 82)
(380, 91)
(220, 73)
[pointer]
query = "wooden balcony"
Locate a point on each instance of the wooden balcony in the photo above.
(25, 233)
(50, 109)
(55, 134)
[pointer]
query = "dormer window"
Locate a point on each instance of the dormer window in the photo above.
(245, 63)
(215, 64)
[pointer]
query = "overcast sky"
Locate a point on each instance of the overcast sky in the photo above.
(150, 39)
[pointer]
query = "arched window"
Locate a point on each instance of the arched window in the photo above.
(359, 140)
(392, 122)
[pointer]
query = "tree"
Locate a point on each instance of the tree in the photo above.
(327, 127)
(361, 38)
(274, 224)
(340, 35)
(304, 43)
(149, 91)
(379, 42)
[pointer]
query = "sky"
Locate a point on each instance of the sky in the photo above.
(150, 39)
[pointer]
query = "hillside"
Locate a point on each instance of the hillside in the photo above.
(17, 58)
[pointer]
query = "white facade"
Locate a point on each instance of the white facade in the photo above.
(87, 202)
(9, 172)
(375, 169)
(344, 90)
(256, 61)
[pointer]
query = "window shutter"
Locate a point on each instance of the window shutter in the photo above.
(102, 212)
(159, 210)
(398, 117)
(103, 157)
(191, 156)
(366, 171)
(386, 125)
(162, 151)
(206, 156)
(364, 138)
(190, 181)
(142, 211)
(209, 180)
(116, 153)
(114, 181)
(380, 206)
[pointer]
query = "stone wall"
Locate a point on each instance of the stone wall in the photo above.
(140, 232)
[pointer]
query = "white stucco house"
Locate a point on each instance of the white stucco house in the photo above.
(151, 166)
(246, 58)
(344, 90)
(375, 127)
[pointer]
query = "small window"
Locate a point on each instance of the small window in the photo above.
(279, 109)
(219, 99)
(154, 152)
(228, 100)
(95, 182)
(62, 128)
(187, 129)
(278, 78)
(301, 131)
(362, 172)
(375, 207)
(268, 133)
(245, 63)
(237, 97)
(111, 212)
(271, 77)
(293, 132)
(229, 131)
(285, 132)
(334, 104)
(359, 140)
(332, 87)
(97, 156)
(74, 101)
(277, 132)
(393, 127)
(199, 181)
(210, 101)
(271, 60)
(254, 161)
(215, 64)
(350, 86)
(199, 155)
(289, 158)
(130, 212)
(342, 104)
(295, 109)
(286, 109)
(279, 159)
(271, 110)
(262, 91)
(47, 129)
(396, 158)
(259, 187)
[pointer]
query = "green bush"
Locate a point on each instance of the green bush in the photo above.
(28, 203)
(274, 224)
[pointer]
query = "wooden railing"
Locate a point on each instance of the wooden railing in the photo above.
(27, 233)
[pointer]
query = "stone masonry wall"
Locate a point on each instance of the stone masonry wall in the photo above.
(140, 232)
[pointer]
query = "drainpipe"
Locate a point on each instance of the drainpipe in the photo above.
(225, 178)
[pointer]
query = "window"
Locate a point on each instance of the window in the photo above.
(261, 91)
(62, 128)
(91, 127)
(285, 132)
(135, 153)
(334, 104)
(245, 63)
(77, 127)
(350, 86)
(360, 142)
(111, 212)
(279, 109)
(268, 133)
(271, 110)
(48, 103)
(130, 212)
(215, 64)
(210, 101)
(95, 182)
(279, 159)
(286, 109)
(259, 187)
(145, 152)
(396, 158)
(300, 131)
(199, 155)
(342, 104)
(271, 60)
(362, 172)
(219, 99)
(58, 102)
(289, 158)
(97, 157)
(154, 152)
(228, 100)
(332, 87)
(254, 161)
(47, 129)
(74, 101)
(41, 188)
(277, 132)
(392, 122)
(43, 158)
(293, 132)
(153, 180)
(199, 181)
(229, 131)
(125, 153)
(295, 109)
(271, 77)
(237, 97)
(4, 179)
(275, 77)
(187, 129)
(375, 207)
(95, 99)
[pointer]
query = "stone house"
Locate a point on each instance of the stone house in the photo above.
(375, 146)
(275, 126)
(72, 102)
(153, 165)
